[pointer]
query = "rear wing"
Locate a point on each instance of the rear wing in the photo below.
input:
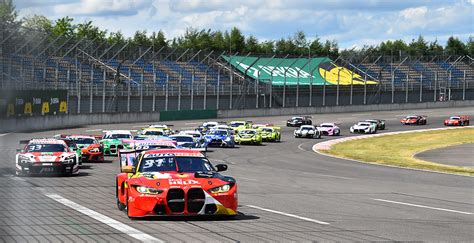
(127, 157)
(24, 141)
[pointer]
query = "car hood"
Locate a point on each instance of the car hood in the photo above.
(48, 156)
(209, 137)
(111, 141)
(199, 179)
(360, 127)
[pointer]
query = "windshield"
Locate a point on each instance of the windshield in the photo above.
(247, 132)
(267, 130)
(306, 128)
(181, 164)
(363, 124)
(117, 136)
(152, 133)
(218, 132)
(326, 125)
(183, 139)
(237, 124)
(83, 140)
(46, 148)
(411, 117)
(454, 118)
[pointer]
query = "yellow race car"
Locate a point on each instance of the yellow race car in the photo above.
(248, 136)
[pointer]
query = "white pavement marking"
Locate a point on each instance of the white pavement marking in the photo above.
(288, 214)
(94, 130)
(132, 232)
(246, 178)
(191, 123)
(421, 206)
(3, 134)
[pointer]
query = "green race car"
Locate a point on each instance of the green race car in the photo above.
(270, 134)
(112, 141)
(248, 136)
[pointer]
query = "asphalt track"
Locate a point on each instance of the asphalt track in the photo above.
(459, 155)
(286, 193)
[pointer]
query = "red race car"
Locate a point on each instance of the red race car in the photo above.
(91, 149)
(457, 121)
(414, 120)
(174, 182)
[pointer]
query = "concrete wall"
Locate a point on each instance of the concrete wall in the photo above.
(338, 109)
(76, 120)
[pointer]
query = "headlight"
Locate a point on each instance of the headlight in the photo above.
(69, 160)
(227, 139)
(147, 190)
(23, 159)
(220, 189)
(94, 150)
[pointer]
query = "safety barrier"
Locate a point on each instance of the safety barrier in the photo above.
(187, 115)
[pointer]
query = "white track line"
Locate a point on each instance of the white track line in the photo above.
(288, 214)
(3, 134)
(132, 232)
(94, 130)
(421, 206)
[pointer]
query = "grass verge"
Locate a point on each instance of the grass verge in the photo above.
(399, 149)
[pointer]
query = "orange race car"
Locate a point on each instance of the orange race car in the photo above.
(173, 182)
(457, 121)
(91, 149)
(414, 120)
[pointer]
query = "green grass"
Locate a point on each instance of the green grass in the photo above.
(399, 149)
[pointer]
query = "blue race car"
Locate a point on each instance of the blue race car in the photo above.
(187, 141)
(219, 138)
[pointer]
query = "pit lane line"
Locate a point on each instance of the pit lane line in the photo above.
(421, 206)
(288, 215)
(132, 232)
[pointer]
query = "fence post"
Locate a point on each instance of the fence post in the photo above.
(166, 91)
(192, 91)
(421, 87)
(68, 78)
(365, 89)
(256, 89)
(103, 91)
(91, 97)
(352, 88)
(270, 97)
(153, 107)
(205, 91)
(435, 86)
(218, 88)
(179, 91)
(324, 89)
(337, 88)
(406, 89)
(78, 82)
(129, 90)
(141, 91)
(284, 91)
(449, 85)
(464, 86)
(393, 87)
(231, 87)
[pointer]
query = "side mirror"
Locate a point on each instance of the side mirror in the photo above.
(20, 150)
(128, 169)
(221, 167)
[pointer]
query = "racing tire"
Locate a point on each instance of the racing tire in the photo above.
(127, 208)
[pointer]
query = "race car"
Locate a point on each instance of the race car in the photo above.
(329, 129)
(239, 125)
(307, 131)
(187, 141)
(170, 182)
(298, 121)
(270, 134)
(46, 156)
(224, 127)
(149, 132)
(414, 120)
(380, 123)
(249, 136)
(150, 144)
(364, 127)
(161, 127)
(206, 126)
(197, 136)
(219, 138)
(457, 121)
(91, 149)
(112, 141)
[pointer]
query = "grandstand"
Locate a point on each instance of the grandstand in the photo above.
(83, 68)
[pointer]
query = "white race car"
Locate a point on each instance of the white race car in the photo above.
(329, 129)
(46, 156)
(364, 127)
(307, 131)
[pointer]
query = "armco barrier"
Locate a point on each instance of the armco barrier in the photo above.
(339, 109)
(67, 121)
(187, 115)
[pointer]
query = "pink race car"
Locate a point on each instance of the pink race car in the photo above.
(329, 129)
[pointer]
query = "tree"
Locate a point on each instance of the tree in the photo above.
(470, 46)
(91, 32)
(236, 40)
(64, 27)
(418, 47)
(434, 48)
(38, 23)
(252, 45)
(158, 40)
(116, 38)
(316, 48)
(455, 47)
(8, 14)
(267, 47)
(218, 42)
(140, 38)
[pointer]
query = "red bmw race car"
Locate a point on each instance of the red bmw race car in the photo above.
(414, 120)
(457, 121)
(46, 156)
(174, 182)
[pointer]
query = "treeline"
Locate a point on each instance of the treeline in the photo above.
(228, 41)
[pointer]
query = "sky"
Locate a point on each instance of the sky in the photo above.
(352, 23)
